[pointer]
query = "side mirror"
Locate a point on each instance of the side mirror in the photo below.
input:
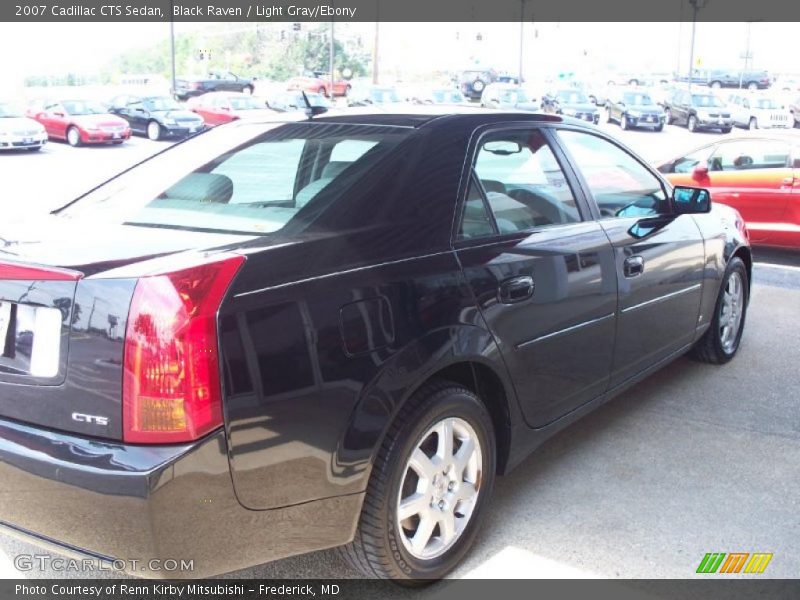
(700, 171)
(58, 113)
(691, 201)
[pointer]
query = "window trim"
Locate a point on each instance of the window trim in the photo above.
(468, 172)
(595, 207)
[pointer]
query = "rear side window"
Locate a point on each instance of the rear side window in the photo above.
(524, 184)
(620, 184)
(475, 220)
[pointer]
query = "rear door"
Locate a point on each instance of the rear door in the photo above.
(756, 178)
(658, 256)
(541, 269)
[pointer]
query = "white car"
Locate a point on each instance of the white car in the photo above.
(18, 132)
(509, 96)
(759, 112)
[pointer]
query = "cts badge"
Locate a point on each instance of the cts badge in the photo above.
(92, 419)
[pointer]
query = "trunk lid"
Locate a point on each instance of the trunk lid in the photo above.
(63, 317)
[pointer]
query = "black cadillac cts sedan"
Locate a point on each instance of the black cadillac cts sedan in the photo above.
(281, 337)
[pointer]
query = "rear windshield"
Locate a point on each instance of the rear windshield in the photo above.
(248, 179)
(7, 110)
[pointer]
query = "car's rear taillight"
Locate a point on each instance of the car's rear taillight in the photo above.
(171, 389)
(195, 85)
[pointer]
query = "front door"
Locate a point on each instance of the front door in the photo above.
(756, 178)
(659, 256)
(542, 272)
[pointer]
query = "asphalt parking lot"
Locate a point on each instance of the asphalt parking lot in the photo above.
(696, 459)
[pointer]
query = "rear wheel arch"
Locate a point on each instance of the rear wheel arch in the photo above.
(744, 253)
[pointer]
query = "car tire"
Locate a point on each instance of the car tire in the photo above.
(248, 90)
(623, 121)
(382, 546)
(323, 91)
(634, 82)
(73, 137)
(668, 116)
(715, 85)
(691, 124)
(718, 346)
(659, 127)
(752, 86)
(752, 124)
(478, 86)
(347, 91)
(726, 129)
(153, 131)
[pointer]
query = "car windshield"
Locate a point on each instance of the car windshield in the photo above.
(767, 103)
(383, 96)
(163, 103)
(83, 107)
(572, 97)
(9, 111)
(707, 100)
(252, 179)
(513, 96)
(245, 103)
(447, 96)
(634, 99)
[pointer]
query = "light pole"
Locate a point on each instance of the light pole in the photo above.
(331, 60)
(696, 5)
(172, 41)
(521, 36)
(746, 54)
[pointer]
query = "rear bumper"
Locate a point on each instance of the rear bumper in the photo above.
(138, 504)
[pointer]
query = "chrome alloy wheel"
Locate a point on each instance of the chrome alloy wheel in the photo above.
(440, 488)
(730, 317)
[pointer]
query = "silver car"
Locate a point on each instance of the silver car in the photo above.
(18, 132)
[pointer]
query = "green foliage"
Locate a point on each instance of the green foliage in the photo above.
(269, 51)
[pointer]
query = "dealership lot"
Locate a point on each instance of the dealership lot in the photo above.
(697, 459)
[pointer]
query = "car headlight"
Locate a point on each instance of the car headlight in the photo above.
(635, 113)
(170, 122)
(702, 114)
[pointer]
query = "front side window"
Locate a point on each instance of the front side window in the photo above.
(524, 184)
(620, 184)
(745, 155)
(249, 180)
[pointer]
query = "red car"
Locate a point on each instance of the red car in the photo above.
(218, 108)
(319, 84)
(758, 176)
(79, 122)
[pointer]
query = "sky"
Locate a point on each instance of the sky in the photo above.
(547, 47)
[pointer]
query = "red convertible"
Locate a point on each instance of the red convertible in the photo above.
(758, 176)
(319, 84)
(218, 108)
(79, 122)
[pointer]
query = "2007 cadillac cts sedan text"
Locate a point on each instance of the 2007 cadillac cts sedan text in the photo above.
(281, 337)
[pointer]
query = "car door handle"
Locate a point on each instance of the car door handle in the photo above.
(633, 266)
(516, 289)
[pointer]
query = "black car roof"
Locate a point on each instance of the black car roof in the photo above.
(429, 115)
